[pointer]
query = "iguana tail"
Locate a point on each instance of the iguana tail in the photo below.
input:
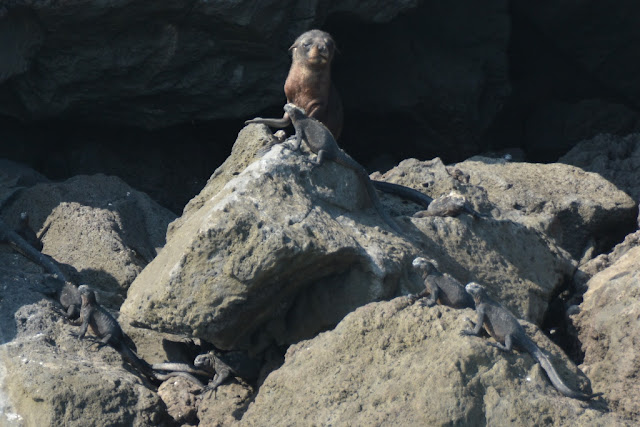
(557, 382)
(347, 160)
(143, 367)
(404, 192)
(179, 367)
(273, 123)
(22, 246)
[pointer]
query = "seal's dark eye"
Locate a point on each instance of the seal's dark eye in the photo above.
(306, 45)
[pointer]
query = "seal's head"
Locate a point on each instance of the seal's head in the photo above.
(315, 48)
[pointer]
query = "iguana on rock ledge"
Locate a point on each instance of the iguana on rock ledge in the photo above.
(504, 327)
(107, 330)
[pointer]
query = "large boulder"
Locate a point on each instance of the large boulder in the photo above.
(392, 363)
(278, 253)
(105, 232)
(615, 158)
(47, 375)
(609, 329)
(52, 378)
(274, 250)
(98, 225)
(579, 210)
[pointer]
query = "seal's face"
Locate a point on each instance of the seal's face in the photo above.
(315, 47)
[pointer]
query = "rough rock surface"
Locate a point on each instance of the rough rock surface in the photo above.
(277, 242)
(226, 406)
(577, 209)
(609, 329)
(105, 230)
(178, 394)
(594, 266)
(49, 377)
(617, 159)
(234, 275)
(389, 363)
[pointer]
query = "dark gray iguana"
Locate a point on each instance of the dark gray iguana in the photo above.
(215, 365)
(504, 327)
(224, 365)
(442, 287)
(107, 330)
(453, 204)
(323, 141)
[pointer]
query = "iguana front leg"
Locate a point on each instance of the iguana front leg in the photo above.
(218, 379)
(476, 330)
(297, 138)
(433, 297)
(83, 330)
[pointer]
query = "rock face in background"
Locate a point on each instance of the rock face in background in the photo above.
(213, 59)
(516, 76)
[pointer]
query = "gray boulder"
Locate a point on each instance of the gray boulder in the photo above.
(98, 225)
(615, 158)
(48, 376)
(576, 208)
(609, 331)
(279, 252)
(391, 363)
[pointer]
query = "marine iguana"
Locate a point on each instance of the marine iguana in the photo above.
(224, 365)
(442, 287)
(504, 327)
(453, 204)
(107, 330)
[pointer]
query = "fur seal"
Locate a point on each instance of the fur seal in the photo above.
(309, 84)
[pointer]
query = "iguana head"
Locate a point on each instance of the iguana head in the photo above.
(86, 294)
(475, 290)
(426, 265)
(294, 111)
